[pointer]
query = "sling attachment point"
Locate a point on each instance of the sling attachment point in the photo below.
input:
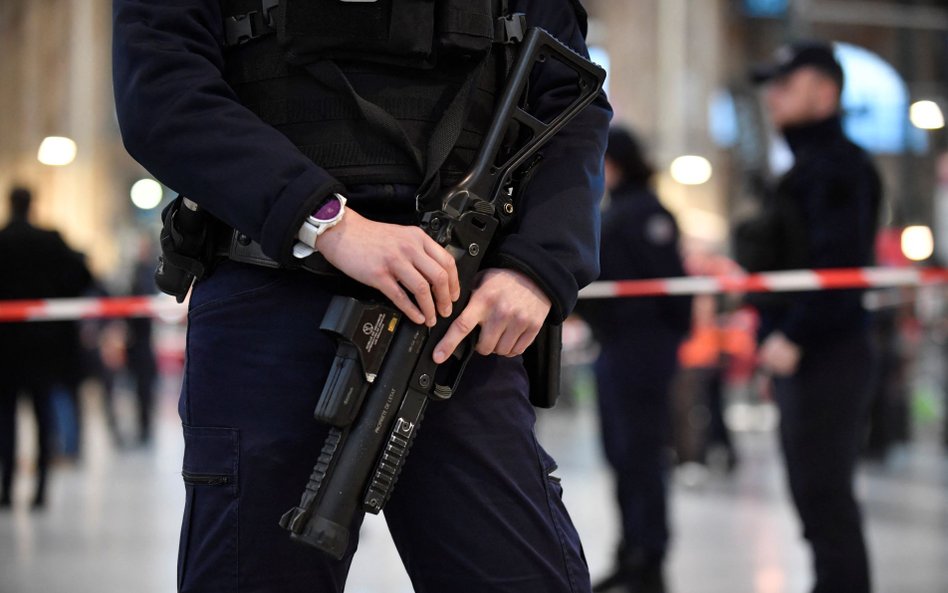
(241, 28)
(510, 29)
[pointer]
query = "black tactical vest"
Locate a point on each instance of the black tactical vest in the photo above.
(373, 92)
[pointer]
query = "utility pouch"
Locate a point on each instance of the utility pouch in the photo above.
(412, 33)
(466, 27)
(542, 361)
(391, 31)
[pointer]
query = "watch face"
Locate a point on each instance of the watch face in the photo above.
(329, 210)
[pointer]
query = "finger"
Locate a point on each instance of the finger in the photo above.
(513, 328)
(394, 292)
(516, 339)
(465, 323)
(508, 341)
(444, 258)
(409, 277)
(437, 277)
(491, 331)
(524, 342)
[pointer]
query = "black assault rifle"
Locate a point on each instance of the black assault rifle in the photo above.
(383, 374)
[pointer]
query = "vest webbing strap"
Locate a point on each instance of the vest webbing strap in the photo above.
(443, 138)
(328, 73)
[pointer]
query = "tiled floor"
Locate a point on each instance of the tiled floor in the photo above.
(112, 522)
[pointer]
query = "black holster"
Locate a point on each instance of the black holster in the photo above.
(542, 361)
(186, 254)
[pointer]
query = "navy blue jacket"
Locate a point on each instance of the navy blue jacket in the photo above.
(640, 241)
(829, 208)
(182, 121)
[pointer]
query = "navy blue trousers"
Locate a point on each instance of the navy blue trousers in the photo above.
(823, 410)
(633, 379)
(476, 508)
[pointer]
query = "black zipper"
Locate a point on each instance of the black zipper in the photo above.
(205, 479)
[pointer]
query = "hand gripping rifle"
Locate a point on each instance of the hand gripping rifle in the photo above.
(383, 374)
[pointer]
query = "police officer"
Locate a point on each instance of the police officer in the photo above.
(265, 133)
(639, 341)
(816, 345)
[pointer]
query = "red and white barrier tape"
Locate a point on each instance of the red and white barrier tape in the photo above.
(91, 308)
(791, 281)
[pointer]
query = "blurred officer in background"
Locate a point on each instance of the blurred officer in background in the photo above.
(35, 357)
(141, 361)
(273, 143)
(639, 340)
(823, 214)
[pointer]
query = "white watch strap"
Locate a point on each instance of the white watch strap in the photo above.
(308, 233)
(302, 250)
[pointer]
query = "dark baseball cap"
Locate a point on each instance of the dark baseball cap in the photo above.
(789, 58)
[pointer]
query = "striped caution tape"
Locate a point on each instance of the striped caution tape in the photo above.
(791, 281)
(91, 308)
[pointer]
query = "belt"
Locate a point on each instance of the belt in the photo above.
(236, 246)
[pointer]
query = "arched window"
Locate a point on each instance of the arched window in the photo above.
(600, 56)
(876, 103)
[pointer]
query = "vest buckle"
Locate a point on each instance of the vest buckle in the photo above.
(510, 29)
(241, 28)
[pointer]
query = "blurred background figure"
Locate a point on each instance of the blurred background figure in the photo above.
(639, 341)
(141, 364)
(894, 332)
(823, 214)
(699, 363)
(707, 361)
(35, 358)
(122, 357)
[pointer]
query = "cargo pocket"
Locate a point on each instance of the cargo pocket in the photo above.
(207, 555)
(553, 483)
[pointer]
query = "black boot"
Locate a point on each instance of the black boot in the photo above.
(649, 578)
(617, 577)
(636, 571)
(615, 582)
(6, 490)
(39, 498)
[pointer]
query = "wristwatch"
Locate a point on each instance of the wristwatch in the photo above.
(327, 215)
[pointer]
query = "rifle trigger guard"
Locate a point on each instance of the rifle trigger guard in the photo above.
(448, 374)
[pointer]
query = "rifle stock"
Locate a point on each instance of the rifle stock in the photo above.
(384, 375)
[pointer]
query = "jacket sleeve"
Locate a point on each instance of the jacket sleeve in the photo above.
(183, 123)
(556, 239)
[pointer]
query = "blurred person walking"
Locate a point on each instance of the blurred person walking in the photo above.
(639, 341)
(816, 345)
(35, 358)
(139, 350)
